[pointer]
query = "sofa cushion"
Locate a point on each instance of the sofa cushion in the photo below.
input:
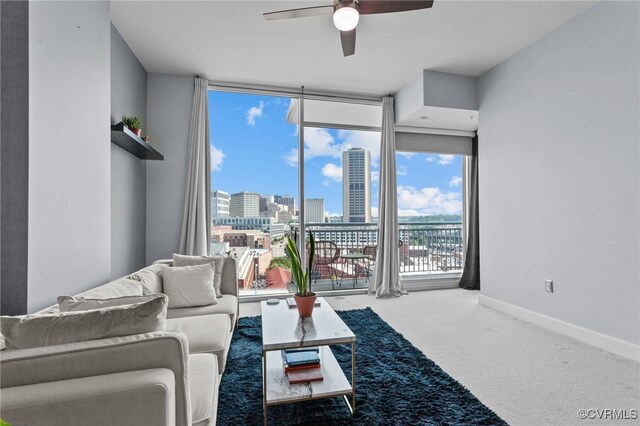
(227, 305)
(116, 288)
(203, 383)
(73, 304)
(28, 331)
(150, 278)
(205, 334)
(216, 261)
(189, 285)
(87, 400)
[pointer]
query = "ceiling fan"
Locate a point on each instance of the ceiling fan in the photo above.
(346, 14)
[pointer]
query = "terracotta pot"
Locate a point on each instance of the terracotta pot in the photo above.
(138, 132)
(305, 304)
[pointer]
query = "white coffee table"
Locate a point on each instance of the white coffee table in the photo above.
(283, 328)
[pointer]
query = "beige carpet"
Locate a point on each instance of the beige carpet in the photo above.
(526, 374)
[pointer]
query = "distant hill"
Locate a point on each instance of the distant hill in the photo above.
(431, 218)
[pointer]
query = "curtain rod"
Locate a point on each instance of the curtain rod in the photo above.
(309, 94)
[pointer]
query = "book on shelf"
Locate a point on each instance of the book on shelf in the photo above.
(288, 368)
(314, 363)
(302, 358)
(313, 349)
(305, 376)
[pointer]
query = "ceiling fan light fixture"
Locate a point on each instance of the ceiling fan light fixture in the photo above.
(346, 16)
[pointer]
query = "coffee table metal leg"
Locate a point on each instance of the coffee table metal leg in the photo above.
(353, 377)
(264, 387)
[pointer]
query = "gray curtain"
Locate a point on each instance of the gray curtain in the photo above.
(386, 279)
(194, 236)
(471, 274)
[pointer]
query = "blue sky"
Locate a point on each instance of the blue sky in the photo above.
(254, 149)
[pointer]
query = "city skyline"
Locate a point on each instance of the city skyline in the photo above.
(253, 149)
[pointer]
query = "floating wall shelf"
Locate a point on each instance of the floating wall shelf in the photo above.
(130, 142)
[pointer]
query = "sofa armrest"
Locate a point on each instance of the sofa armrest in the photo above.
(229, 277)
(145, 397)
(160, 349)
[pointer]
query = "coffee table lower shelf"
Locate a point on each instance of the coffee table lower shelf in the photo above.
(334, 383)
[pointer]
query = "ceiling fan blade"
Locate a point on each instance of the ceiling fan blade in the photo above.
(348, 40)
(304, 12)
(369, 7)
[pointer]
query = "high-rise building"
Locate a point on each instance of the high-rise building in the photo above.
(287, 201)
(219, 204)
(356, 185)
(264, 202)
(314, 210)
(244, 204)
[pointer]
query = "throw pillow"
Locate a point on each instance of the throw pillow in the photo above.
(29, 331)
(189, 285)
(218, 262)
(150, 278)
(72, 304)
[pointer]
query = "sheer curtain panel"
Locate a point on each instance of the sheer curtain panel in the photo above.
(386, 279)
(194, 236)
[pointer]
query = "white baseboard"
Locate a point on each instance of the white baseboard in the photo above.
(611, 344)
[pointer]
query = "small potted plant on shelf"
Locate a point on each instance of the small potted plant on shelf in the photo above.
(305, 299)
(133, 123)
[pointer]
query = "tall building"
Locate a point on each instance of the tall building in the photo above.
(356, 185)
(264, 202)
(244, 204)
(287, 201)
(314, 210)
(219, 204)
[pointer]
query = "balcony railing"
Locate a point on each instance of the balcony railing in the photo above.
(424, 248)
(346, 256)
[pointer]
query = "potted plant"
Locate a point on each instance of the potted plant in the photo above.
(133, 123)
(305, 299)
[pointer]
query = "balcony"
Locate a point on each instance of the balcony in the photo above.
(345, 256)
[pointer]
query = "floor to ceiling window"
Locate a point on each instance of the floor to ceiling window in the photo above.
(262, 191)
(430, 213)
(254, 186)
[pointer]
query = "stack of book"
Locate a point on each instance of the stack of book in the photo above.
(302, 365)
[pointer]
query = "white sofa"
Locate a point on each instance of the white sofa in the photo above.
(160, 378)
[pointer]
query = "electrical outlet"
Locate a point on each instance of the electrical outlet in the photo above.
(548, 286)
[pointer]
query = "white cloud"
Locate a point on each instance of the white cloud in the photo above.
(430, 159)
(374, 211)
(402, 171)
(319, 142)
(253, 113)
(426, 201)
(217, 157)
(407, 154)
(455, 181)
(375, 176)
(361, 139)
(292, 157)
(334, 214)
(332, 172)
(445, 159)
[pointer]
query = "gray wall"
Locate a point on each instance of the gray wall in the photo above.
(559, 173)
(169, 104)
(14, 156)
(69, 149)
(128, 172)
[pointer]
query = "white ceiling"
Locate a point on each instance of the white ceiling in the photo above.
(230, 41)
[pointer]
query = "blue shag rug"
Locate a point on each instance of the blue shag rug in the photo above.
(395, 383)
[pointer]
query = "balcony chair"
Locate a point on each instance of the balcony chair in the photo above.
(326, 253)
